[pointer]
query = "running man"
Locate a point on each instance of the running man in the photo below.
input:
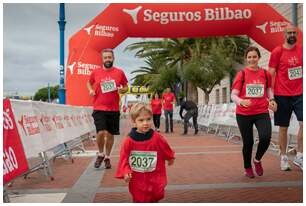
(104, 86)
(286, 68)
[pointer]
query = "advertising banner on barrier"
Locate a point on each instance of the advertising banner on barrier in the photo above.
(14, 159)
(28, 125)
(43, 126)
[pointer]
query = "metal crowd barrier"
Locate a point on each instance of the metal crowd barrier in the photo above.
(42, 164)
(230, 132)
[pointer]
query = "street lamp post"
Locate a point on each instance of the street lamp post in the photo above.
(61, 23)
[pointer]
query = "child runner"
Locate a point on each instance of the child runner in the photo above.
(142, 158)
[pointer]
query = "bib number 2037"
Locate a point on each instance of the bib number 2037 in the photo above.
(254, 90)
(143, 161)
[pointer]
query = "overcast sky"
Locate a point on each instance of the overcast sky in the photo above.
(31, 44)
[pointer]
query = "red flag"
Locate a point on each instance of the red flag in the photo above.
(14, 160)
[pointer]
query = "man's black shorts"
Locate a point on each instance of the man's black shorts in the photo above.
(285, 106)
(107, 120)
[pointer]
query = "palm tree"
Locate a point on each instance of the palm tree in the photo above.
(156, 75)
(145, 73)
(183, 54)
(168, 50)
(172, 52)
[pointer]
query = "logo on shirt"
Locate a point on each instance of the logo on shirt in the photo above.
(292, 61)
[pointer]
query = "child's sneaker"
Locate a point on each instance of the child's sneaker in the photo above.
(284, 163)
(258, 168)
(249, 172)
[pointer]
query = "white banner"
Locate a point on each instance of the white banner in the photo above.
(43, 126)
(28, 128)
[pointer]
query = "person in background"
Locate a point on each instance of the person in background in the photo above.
(156, 105)
(192, 111)
(168, 101)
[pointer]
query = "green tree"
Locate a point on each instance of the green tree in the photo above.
(54, 92)
(156, 75)
(146, 74)
(216, 54)
(213, 59)
(42, 93)
(206, 73)
(169, 53)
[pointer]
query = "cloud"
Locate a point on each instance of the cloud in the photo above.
(31, 44)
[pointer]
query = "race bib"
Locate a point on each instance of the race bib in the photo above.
(254, 90)
(143, 161)
(295, 73)
(108, 86)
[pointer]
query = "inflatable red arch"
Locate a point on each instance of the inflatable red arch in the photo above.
(120, 21)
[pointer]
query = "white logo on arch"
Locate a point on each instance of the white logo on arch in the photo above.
(71, 67)
(88, 29)
(133, 13)
(262, 27)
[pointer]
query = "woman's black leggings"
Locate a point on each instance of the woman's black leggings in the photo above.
(156, 120)
(264, 128)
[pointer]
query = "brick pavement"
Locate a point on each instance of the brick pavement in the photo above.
(207, 169)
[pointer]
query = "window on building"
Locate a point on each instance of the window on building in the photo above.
(224, 95)
(217, 96)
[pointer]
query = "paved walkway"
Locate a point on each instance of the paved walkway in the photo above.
(207, 169)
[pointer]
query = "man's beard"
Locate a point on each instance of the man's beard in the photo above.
(291, 40)
(108, 64)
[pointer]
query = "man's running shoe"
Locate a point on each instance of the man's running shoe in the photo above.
(107, 163)
(99, 161)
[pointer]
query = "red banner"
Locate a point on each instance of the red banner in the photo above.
(14, 160)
